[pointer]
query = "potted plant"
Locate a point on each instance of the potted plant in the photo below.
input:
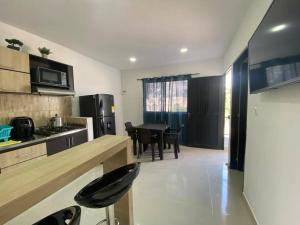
(44, 52)
(14, 44)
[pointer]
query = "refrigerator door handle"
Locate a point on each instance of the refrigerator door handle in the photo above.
(102, 125)
(101, 108)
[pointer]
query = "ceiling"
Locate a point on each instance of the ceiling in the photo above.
(111, 31)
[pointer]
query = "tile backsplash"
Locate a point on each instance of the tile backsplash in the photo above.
(39, 108)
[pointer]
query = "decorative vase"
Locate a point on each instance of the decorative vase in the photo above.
(45, 56)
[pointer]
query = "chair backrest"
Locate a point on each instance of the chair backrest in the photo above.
(128, 125)
(130, 129)
(144, 136)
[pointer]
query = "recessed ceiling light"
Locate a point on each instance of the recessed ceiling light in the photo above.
(132, 59)
(278, 28)
(183, 50)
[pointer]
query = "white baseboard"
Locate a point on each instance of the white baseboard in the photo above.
(251, 209)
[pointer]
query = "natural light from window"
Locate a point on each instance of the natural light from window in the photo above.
(174, 99)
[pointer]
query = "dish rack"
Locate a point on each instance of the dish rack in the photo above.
(5, 132)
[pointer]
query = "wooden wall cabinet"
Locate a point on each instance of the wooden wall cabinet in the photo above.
(14, 71)
(16, 82)
(14, 60)
(13, 159)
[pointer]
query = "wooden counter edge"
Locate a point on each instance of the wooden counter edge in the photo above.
(116, 156)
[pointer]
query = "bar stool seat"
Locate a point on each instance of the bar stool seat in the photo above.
(108, 189)
(67, 216)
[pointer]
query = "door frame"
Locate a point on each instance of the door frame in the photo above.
(238, 127)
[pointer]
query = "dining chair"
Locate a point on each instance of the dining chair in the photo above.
(132, 132)
(146, 137)
(171, 136)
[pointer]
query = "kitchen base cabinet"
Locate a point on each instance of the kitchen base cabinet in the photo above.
(22, 156)
(57, 145)
(6, 169)
(65, 142)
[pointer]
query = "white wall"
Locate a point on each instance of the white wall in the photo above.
(272, 165)
(90, 76)
(247, 27)
(133, 90)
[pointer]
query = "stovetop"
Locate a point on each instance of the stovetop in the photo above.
(48, 131)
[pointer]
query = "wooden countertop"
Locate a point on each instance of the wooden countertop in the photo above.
(27, 185)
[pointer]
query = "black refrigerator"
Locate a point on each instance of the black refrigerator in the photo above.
(101, 107)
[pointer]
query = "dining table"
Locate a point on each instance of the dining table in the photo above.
(159, 129)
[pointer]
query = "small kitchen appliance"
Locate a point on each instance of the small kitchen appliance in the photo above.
(56, 122)
(23, 127)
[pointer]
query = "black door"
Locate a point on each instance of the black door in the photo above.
(239, 112)
(206, 112)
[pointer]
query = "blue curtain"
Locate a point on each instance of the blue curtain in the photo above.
(165, 101)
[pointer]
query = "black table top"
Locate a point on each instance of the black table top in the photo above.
(153, 126)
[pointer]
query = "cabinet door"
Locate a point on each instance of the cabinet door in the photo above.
(11, 81)
(14, 60)
(11, 158)
(79, 138)
(13, 167)
(58, 144)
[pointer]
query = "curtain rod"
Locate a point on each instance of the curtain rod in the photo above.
(191, 74)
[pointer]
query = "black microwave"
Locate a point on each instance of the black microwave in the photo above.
(50, 77)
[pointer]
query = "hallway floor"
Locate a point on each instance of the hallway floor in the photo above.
(196, 189)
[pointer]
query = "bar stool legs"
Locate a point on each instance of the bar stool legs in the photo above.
(110, 217)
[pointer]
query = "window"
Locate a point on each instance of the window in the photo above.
(170, 96)
(154, 97)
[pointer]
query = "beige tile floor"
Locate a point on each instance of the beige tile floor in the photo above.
(196, 189)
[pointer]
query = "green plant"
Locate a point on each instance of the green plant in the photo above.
(44, 51)
(13, 42)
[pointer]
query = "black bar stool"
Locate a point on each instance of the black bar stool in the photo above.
(107, 190)
(67, 216)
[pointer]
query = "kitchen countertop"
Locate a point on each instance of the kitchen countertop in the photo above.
(38, 139)
(25, 186)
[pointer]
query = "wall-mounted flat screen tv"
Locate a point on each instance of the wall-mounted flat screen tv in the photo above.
(274, 49)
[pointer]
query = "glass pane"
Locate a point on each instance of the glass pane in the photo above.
(176, 96)
(49, 77)
(153, 97)
(166, 96)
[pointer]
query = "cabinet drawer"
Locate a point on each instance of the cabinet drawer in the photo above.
(11, 81)
(6, 169)
(14, 60)
(20, 155)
